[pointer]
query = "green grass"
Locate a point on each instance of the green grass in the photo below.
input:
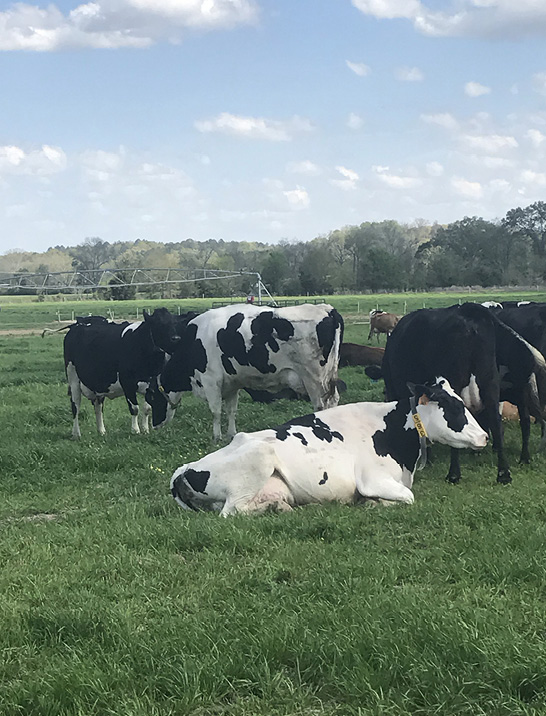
(115, 601)
(28, 312)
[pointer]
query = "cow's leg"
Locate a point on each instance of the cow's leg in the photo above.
(525, 425)
(454, 473)
(494, 422)
(75, 395)
(132, 402)
(370, 334)
(384, 487)
(230, 404)
(214, 401)
(98, 404)
(145, 417)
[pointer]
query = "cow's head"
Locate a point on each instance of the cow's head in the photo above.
(445, 417)
(165, 393)
(166, 329)
(161, 402)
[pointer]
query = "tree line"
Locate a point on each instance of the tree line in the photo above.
(369, 257)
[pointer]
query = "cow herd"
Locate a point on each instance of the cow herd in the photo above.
(445, 370)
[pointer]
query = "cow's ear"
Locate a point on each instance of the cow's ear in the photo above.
(418, 390)
(145, 314)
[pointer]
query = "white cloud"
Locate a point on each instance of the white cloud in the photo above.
(348, 183)
(116, 23)
(442, 119)
(467, 189)
(355, 121)
(482, 18)
(396, 181)
(539, 82)
(297, 198)
(475, 89)
(535, 136)
(409, 74)
(434, 169)
(534, 178)
(306, 167)
(38, 162)
(489, 144)
(359, 68)
(255, 127)
(389, 9)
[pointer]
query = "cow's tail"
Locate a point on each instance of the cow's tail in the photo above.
(57, 330)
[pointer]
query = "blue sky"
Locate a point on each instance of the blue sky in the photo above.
(265, 119)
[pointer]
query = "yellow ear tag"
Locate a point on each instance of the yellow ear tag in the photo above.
(419, 425)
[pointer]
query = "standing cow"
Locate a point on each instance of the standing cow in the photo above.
(244, 346)
(341, 454)
(382, 322)
(484, 360)
(109, 360)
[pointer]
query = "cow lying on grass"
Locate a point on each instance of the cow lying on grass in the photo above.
(355, 354)
(340, 454)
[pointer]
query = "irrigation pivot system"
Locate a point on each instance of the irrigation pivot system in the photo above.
(89, 280)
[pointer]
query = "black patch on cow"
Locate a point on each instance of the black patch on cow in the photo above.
(452, 408)
(228, 365)
(320, 429)
(267, 330)
(189, 357)
(395, 441)
(197, 479)
(300, 437)
(232, 343)
(324, 478)
(181, 491)
(326, 333)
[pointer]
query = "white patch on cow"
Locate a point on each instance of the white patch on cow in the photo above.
(523, 303)
(471, 395)
(114, 391)
(131, 327)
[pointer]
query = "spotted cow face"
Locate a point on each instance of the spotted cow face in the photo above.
(445, 417)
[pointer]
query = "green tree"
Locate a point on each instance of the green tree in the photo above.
(275, 270)
(530, 223)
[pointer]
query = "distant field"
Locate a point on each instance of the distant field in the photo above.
(25, 312)
(114, 601)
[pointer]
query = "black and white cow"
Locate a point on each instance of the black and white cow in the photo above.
(368, 450)
(243, 346)
(104, 359)
(484, 360)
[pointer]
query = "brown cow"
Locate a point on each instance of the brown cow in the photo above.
(354, 354)
(382, 322)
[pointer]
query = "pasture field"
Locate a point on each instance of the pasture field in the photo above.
(25, 312)
(115, 602)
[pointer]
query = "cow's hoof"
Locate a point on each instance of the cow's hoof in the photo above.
(453, 479)
(504, 477)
